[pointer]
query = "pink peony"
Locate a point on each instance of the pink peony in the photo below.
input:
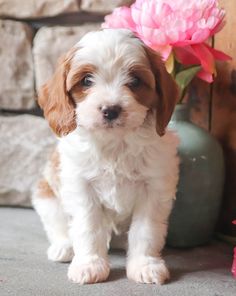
(176, 23)
(120, 18)
(179, 26)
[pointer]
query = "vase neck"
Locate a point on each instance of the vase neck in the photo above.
(181, 113)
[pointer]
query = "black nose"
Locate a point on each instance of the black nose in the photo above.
(111, 113)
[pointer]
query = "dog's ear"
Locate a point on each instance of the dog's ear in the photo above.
(166, 89)
(55, 100)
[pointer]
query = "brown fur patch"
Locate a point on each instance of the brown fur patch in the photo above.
(54, 165)
(50, 185)
(145, 93)
(44, 189)
(76, 75)
(55, 101)
(166, 89)
(77, 91)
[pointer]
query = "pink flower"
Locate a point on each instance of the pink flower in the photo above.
(181, 26)
(120, 18)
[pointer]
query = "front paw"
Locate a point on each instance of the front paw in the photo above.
(60, 252)
(147, 270)
(94, 270)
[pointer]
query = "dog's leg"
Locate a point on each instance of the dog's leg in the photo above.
(147, 237)
(90, 235)
(54, 221)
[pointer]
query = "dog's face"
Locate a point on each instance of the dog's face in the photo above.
(108, 80)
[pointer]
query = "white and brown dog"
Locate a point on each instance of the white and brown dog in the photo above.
(109, 102)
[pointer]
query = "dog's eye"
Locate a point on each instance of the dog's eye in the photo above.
(87, 81)
(135, 82)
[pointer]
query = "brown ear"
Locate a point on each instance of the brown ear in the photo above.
(167, 91)
(54, 99)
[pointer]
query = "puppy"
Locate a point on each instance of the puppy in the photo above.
(109, 102)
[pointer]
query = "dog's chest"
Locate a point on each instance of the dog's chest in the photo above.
(119, 183)
(117, 172)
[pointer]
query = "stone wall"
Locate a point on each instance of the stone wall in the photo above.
(33, 34)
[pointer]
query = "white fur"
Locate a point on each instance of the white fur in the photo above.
(113, 175)
(55, 223)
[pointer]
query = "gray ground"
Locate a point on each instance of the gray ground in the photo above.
(24, 269)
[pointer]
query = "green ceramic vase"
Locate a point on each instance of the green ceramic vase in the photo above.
(197, 205)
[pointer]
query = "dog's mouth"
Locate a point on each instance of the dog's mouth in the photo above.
(112, 124)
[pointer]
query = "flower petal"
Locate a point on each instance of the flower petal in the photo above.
(186, 56)
(218, 55)
(206, 76)
(120, 18)
(200, 36)
(170, 62)
(164, 51)
(205, 56)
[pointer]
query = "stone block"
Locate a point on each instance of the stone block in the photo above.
(50, 43)
(16, 72)
(26, 142)
(36, 8)
(103, 5)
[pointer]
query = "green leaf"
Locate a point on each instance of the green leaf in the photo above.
(184, 77)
